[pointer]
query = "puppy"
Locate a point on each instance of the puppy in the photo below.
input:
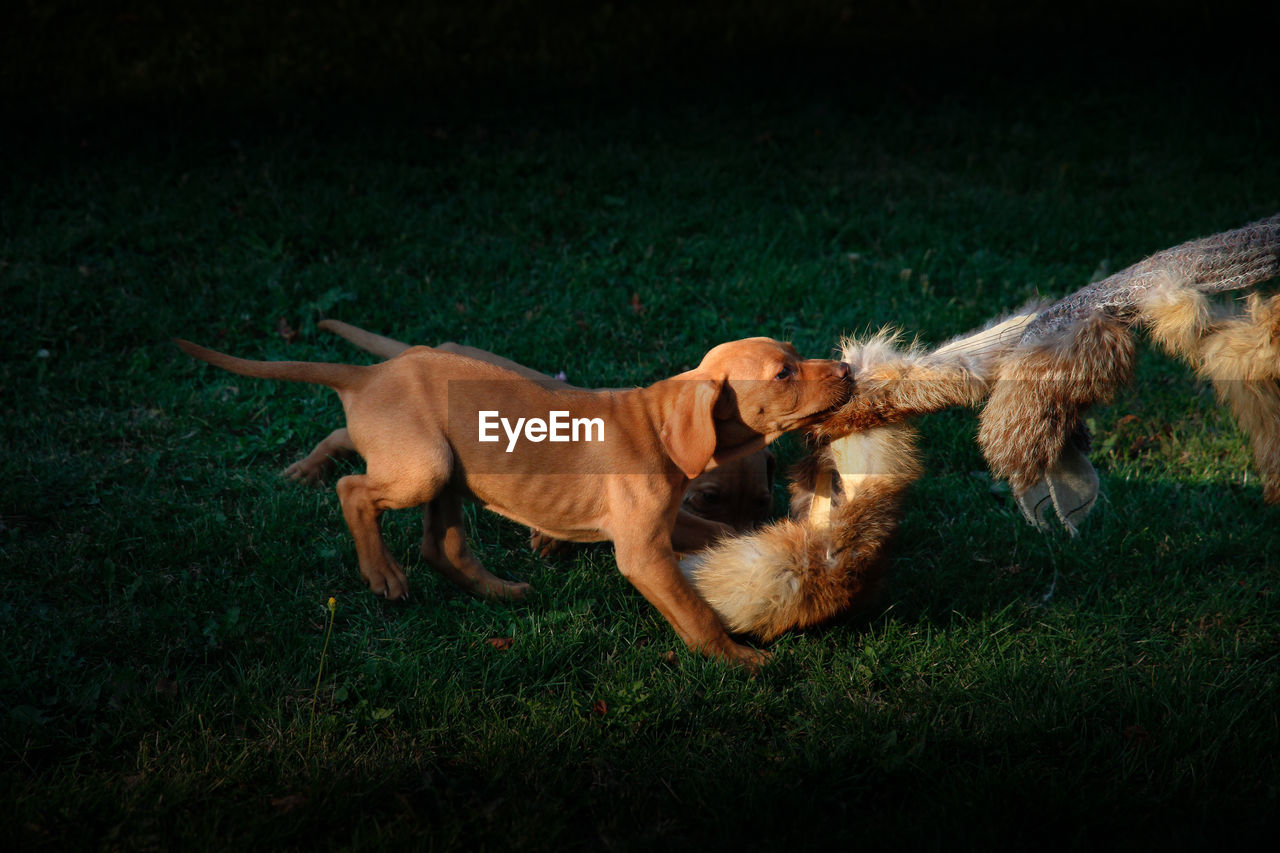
(735, 497)
(435, 428)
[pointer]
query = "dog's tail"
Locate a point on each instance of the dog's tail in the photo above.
(379, 345)
(337, 376)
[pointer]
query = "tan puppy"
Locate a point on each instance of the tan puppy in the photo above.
(736, 497)
(427, 424)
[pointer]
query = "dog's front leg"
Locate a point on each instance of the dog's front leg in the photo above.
(651, 568)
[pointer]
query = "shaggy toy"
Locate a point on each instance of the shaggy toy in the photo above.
(1037, 371)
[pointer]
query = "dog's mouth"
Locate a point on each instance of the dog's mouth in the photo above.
(844, 405)
(839, 391)
(844, 388)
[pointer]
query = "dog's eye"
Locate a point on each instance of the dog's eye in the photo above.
(702, 500)
(786, 372)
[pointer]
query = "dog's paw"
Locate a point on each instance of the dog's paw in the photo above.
(752, 659)
(303, 471)
(544, 545)
(495, 588)
(393, 586)
(512, 591)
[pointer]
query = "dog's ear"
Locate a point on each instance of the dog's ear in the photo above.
(688, 430)
(726, 406)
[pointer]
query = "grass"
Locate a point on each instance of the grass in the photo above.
(164, 608)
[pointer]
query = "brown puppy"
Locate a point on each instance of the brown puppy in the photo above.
(736, 497)
(437, 427)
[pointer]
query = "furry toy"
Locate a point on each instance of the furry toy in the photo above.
(1037, 372)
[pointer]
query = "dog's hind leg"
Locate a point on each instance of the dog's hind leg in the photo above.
(363, 503)
(399, 479)
(444, 547)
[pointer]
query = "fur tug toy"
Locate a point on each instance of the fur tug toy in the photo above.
(1037, 371)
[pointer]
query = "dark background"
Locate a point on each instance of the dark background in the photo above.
(74, 56)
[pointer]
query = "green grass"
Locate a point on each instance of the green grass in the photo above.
(163, 609)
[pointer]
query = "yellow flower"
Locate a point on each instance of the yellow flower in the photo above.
(315, 694)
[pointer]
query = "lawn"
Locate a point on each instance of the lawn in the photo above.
(169, 677)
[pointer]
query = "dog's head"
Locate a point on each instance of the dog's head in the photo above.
(738, 493)
(743, 395)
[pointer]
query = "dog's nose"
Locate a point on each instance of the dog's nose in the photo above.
(841, 370)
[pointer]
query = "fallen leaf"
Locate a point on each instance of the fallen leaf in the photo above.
(1136, 736)
(599, 708)
(286, 331)
(288, 803)
(500, 643)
